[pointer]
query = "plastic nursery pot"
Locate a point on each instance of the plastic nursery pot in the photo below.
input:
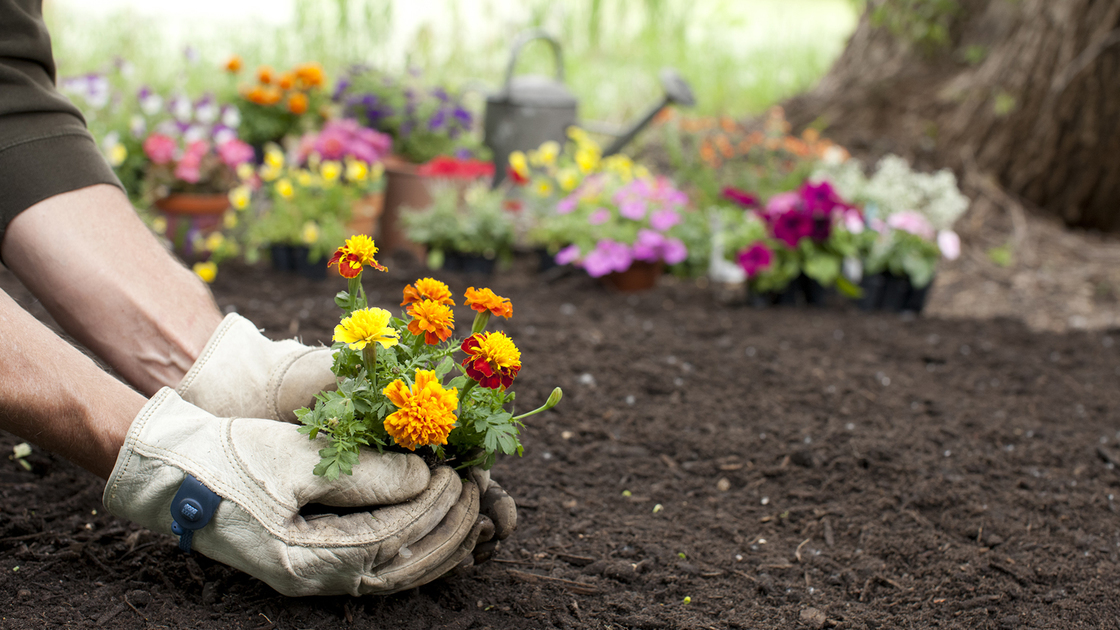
(899, 295)
(283, 257)
(189, 215)
(468, 263)
(640, 276)
(872, 286)
(311, 270)
(801, 291)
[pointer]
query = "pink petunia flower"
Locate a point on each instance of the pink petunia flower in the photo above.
(755, 259)
(159, 148)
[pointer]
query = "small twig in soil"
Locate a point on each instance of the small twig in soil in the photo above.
(828, 537)
(576, 587)
(1107, 456)
(140, 614)
(797, 553)
(103, 619)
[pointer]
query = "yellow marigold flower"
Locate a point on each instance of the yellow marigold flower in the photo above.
(305, 178)
(117, 154)
(269, 173)
(548, 152)
(331, 170)
(357, 171)
(245, 171)
(428, 289)
(519, 163)
(205, 270)
(239, 197)
(425, 412)
(310, 233)
(213, 241)
(159, 225)
(432, 319)
(568, 178)
(284, 188)
(579, 136)
(587, 159)
(641, 172)
(273, 156)
(543, 188)
(620, 165)
(366, 326)
(492, 359)
(483, 300)
(229, 220)
(358, 251)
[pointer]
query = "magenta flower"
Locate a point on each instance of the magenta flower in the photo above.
(344, 138)
(633, 209)
(664, 219)
(648, 246)
(235, 152)
(567, 204)
(569, 254)
(607, 256)
(674, 251)
(791, 227)
(781, 203)
(755, 258)
(599, 216)
(913, 222)
(159, 148)
(821, 198)
(740, 197)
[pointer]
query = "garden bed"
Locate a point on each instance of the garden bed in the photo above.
(710, 466)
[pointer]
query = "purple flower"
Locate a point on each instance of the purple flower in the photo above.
(791, 227)
(567, 204)
(607, 256)
(780, 204)
(755, 258)
(340, 89)
(599, 216)
(634, 209)
(440, 93)
(649, 246)
(664, 219)
(569, 254)
(463, 153)
(437, 121)
(463, 116)
(820, 198)
(674, 251)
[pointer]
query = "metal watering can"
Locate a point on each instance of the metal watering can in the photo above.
(531, 109)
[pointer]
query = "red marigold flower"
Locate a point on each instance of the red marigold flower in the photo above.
(492, 359)
(428, 289)
(516, 177)
(483, 300)
(433, 319)
(358, 251)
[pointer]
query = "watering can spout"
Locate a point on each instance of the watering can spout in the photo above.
(677, 92)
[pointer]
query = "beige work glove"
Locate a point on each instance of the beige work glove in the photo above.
(419, 526)
(242, 373)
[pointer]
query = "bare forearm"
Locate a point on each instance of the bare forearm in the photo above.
(110, 284)
(55, 396)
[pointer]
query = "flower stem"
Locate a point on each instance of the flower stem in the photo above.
(369, 359)
(480, 321)
(357, 295)
(553, 398)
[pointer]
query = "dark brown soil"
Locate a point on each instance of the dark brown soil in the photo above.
(710, 466)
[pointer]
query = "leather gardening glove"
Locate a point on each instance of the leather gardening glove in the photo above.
(242, 373)
(421, 524)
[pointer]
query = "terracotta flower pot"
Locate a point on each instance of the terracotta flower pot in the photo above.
(189, 215)
(365, 215)
(640, 276)
(404, 188)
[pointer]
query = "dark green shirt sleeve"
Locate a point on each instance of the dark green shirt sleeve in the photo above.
(45, 149)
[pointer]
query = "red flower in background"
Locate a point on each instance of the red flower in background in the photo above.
(446, 166)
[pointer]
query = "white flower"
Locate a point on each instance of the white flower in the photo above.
(151, 104)
(194, 133)
(137, 125)
(181, 109)
(949, 243)
(206, 112)
(231, 117)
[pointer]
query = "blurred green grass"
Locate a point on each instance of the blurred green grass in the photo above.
(740, 56)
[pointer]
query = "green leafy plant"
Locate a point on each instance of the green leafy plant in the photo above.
(475, 220)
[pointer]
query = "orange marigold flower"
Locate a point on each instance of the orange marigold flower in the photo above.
(483, 300)
(233, 64)
(310, 74)
(286, 81)
(297, 103)
(358, 251)
(428, 289)
(492, 359)
(725, 147)
(425, 412)
(433, 319)
(264, 75)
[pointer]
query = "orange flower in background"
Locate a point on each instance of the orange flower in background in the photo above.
(286, 81)
(434, 320)
(810, 135)
(264, 75)
(264, 95)
(310, 75)
(728, 124)
(725, 147)
(425, 412)
(427, 289)
(297, 103)
(708, 153)
(483, 300)
(492, 359)
(233, 65)
(358, 252)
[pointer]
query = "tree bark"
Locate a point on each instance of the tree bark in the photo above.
(1040, 112)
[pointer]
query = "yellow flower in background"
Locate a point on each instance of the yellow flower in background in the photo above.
(366, 326)
(229, 220)
(519, 163)
(305, 178)
(269, 173)
(579, 136)
(206, 270)
(239, 197)
(543, 188)
(213, 241)
(548, 152)
(587, 159)
(313, 160)
(159, 225)
(331, 171)
(245, 171)
(284, 188)
(310, 233)
(425, 412)
(568, 178)
(356, 171)
(117, 154)
(641, 172)
(273, 156)
(619, 165)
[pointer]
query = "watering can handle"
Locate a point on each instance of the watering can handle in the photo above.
(525, 38)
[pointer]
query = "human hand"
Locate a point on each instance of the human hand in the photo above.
(419, 525)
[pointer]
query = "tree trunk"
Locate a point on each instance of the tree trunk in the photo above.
(1038, 107)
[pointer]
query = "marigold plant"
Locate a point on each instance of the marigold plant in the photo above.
(400, 384)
